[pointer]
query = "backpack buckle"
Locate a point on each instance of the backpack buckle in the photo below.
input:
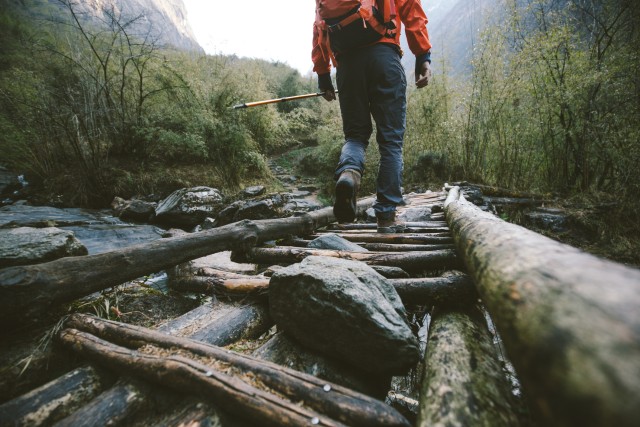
(334, 27)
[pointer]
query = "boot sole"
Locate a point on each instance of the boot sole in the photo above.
(345, 207)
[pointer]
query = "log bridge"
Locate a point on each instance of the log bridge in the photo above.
(523, 330)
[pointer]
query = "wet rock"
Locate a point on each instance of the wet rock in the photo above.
(107, 237)
(26, 245)
(415, 214)
(335, 242)
(254, 191)
(548, 219)
(299, 194)
(346, 310)
(226, 215)
(302, 206)
(188, 207)
(310, 188)
(133, 210)
(267, 208)
(21, 215)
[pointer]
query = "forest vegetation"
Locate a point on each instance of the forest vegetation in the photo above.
(551, 105)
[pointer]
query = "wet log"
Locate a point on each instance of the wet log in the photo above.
(410, 261)
(109, 408)
(463, 383)
(283, 350)
(218, 286)
(387, 247)
(372, 226)
(27, 291)
(222, 376)
(452, 289)
(569, 320)
(399, 239)
(54, 400)
(368, 228)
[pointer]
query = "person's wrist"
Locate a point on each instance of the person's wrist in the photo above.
(421, 59)
(324, 82)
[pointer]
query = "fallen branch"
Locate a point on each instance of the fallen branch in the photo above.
(228, 388)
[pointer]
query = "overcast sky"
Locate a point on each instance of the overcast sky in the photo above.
(272, 30)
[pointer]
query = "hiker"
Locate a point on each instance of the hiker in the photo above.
(362, 39)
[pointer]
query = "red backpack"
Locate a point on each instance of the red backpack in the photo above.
(350, 24)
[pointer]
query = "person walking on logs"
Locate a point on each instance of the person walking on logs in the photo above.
(362, 39)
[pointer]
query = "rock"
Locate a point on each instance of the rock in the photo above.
(309, 188)
(20, 215)
(188, 207)
(299, 194)
(254, 191)
(133, 210)
(100, 238)
(422, 214)
(226, 215)
(548, 219)
(302, 206)
(370, 215)
(335, 242)
(26, 245)
(217, 261)
(346, 310)
(267, 208)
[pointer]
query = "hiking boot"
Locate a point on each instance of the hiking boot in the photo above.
(390, 225)
(346, 196)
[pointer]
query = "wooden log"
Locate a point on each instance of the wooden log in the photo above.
(218, 286)
(336, 402)
(54, 400)
(109, 408)
(373, 226)
(463, 383)
(410, 261)
(283, 350)
(367, 228)
(452, 289)
(27, 291)
(569, 320)
(404, 239)
(387, 247)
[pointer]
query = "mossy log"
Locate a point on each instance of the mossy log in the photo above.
(451, 289)
(463, 383)
(224, 377)
(110, 408)
(569, 320)
(27, 291)
(54, 400)
(410, 261)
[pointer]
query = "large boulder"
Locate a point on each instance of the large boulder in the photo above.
(346, 310)
(188, 207)
(26, 245)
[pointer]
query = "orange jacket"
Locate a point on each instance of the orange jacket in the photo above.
(409, 13)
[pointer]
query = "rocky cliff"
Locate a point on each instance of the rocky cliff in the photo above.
(164, 20)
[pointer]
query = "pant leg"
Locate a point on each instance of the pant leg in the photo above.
(388, 107)
(353, 95)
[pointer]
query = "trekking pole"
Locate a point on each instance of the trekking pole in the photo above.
(273, 101)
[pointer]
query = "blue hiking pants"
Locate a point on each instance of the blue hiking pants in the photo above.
(372, 83)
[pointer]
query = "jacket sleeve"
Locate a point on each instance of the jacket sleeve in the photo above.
(320, 54)
(415, 23)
